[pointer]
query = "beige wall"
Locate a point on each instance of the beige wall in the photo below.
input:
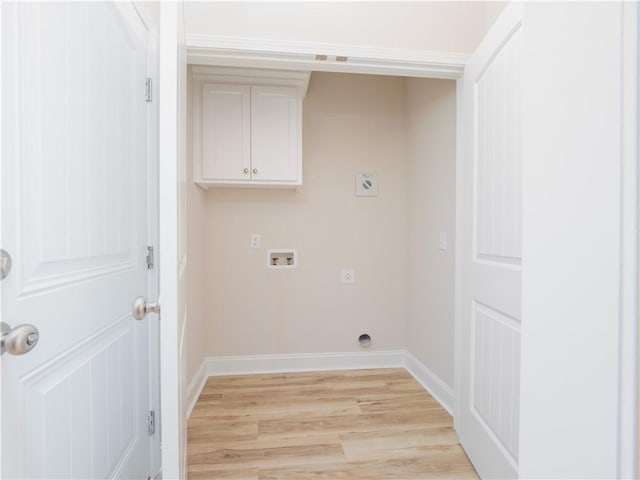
(492, 11)
(431, 142)
(440, 26)
(351, 124)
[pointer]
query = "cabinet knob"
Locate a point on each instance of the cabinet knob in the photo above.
(255, 170)
(246, 170)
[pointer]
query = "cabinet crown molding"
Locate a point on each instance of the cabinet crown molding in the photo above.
(206, 49)
(253, 76)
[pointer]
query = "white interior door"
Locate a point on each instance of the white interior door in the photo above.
(74, 220)
(490, 370)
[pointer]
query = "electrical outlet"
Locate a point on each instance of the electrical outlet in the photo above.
(347, 275)
(255, 240)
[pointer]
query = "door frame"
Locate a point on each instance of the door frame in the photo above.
(152, 233)
(171, 159)
(247, 52)
(629, 340)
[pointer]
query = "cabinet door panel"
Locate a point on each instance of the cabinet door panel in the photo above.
(274, 134)
(226, 143)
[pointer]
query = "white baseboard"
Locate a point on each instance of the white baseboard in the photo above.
(303, 362)
(312, 362)
(195, 386)
(430, 382)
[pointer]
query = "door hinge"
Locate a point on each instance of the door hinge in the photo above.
(150, 258)
(151, 422)
(149, 89)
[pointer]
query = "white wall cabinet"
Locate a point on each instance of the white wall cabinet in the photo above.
(247, 127)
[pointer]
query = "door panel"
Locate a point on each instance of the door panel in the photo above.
(226, 131)
(494, 375)
(496, 95)
(74, 219)
(274, 136)
(489, 420)
(77, 146)
(72, 428)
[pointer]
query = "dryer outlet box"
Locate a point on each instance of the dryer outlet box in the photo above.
(366, 185)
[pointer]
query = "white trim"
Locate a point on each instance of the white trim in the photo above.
(319, 362)
(168, 260)
(195, 387)
(252, 76)
(303, 362)
(431, 382)
(263, 53)
(628, 393)
(457, 302)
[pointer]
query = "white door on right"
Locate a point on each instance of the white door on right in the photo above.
(490, 370)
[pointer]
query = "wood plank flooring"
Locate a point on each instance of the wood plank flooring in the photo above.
(358, 424)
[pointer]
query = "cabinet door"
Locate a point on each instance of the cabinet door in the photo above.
(275, 134)
(226, 131)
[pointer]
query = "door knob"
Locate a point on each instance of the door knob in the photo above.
(246, 170)
(5, 264)
(19, 340)
(255, 170)
(141, 307)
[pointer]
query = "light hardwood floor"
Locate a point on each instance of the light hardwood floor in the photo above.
(359, 424)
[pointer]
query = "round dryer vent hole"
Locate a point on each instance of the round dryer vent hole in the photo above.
(364, 340)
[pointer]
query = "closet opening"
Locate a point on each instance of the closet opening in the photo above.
(372, 225)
